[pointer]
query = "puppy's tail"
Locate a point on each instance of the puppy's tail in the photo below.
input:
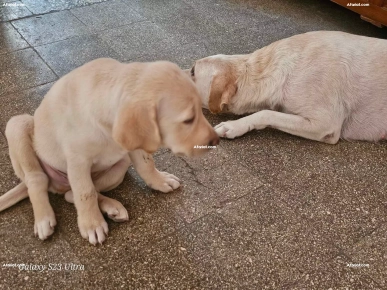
(13, 196)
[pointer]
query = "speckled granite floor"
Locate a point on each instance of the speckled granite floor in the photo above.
(265, 211)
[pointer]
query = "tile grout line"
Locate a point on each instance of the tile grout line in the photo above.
(33, 48)
(22, 37)
(45, 62)
(49, 12)
(25, 89)
(88, 33)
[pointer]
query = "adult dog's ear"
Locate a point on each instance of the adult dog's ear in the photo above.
(136, 127)
(222, 89)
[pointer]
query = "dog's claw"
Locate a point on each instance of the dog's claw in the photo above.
(94, 229)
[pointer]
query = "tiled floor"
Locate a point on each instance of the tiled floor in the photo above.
(265, 211)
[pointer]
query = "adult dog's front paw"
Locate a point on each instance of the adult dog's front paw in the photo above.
(164, 182)
(93, 227)
(231, 129)
(45, 224)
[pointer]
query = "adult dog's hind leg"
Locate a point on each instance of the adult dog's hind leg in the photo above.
(19, 133)
(105, 182)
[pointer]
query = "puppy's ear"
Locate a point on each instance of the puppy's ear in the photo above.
(222, 89)
(136, 127)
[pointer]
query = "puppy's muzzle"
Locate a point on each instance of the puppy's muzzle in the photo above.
(214, 141)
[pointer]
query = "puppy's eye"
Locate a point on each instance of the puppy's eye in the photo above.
(189, 121)
(193, 71)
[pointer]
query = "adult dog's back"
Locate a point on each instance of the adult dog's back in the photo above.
(321, 85)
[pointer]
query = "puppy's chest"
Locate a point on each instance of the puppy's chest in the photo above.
(109, 156)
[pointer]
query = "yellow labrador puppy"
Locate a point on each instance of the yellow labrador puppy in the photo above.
(319, 85)
(88, 128)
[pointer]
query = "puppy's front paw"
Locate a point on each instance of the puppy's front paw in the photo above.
(113, 209)
(164, 182)
(45, 224)
(93, 227)
(231, 129)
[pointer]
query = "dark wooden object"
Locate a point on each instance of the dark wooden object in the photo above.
(375, 12)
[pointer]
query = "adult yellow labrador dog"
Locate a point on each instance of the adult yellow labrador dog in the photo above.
(319, 85)
(92, 123)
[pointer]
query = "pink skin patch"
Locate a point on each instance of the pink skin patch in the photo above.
(59, 179)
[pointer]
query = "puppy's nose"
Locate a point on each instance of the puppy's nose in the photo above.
(214, 141)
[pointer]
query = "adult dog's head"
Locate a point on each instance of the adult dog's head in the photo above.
(163, 109)
(216, 79)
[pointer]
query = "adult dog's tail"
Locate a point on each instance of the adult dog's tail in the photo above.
(13, 196)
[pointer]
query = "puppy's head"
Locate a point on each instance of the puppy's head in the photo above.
(215, 79)
(164, 110)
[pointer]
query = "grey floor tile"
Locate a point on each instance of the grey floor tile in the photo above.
(193, 199)
(49, 28)
(343, 210)
(262, 218)
(249, 39)
(178, 19)
(305, 247)
(22, 102)
(10, 39)
(228, 14)
(158, 10)
(143, 39)
(3, 141)
(22, 247)
(7, 1)
(184, 55)
(228, 260)
(213, 159)
(346, 160)
(335, 274)
(107, 15)
(66, 55)
(21, 70)
(259, 213)
(45, 6)
(161, 265)
(372, 251)
(13, 10)
(205, 190)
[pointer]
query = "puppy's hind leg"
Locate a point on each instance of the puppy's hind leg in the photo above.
(105, 182)
(19, 133)
(13, 196)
